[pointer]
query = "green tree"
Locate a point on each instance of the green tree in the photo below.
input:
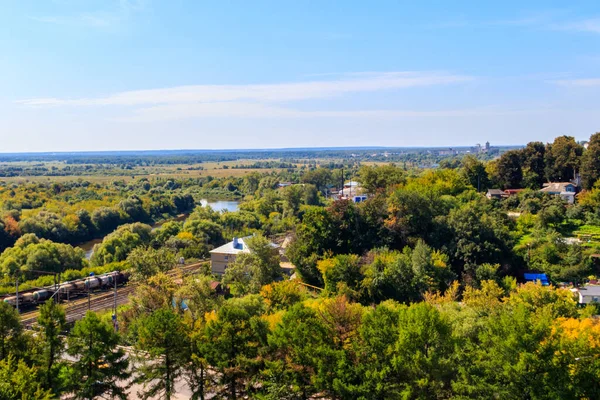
(51, 323)
(11, 331)
(21, 382)
(147, 261)
(341, 275)
(294, 347)
(509, 172)
(162, 336)
(474, 171)
(101, 367)
(590, 162)
(233, 341)
(424, 353)
(375, 178)
(563, 158)
(534, 165)
(378, 336)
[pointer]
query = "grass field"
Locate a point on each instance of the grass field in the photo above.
(215, 169)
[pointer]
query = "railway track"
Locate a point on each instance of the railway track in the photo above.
(76, 309)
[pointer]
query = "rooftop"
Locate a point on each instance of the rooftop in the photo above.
(590, 291)
(236, 246)
(556, 187)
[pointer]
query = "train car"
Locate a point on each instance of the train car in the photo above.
(122, 277)
(66, 288)
(24, 299)
(92, 282)
(27, 298)
(12, 300)
(106, 280)
(39, 296)
(79, 284)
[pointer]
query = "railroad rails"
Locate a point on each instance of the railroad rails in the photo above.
(101, 301)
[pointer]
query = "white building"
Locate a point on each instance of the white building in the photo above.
(589, 294)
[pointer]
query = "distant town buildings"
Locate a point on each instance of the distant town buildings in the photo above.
(477, 149)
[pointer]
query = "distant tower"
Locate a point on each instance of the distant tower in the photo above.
(487, 146)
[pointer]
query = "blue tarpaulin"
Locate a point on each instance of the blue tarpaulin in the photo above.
(533, 277)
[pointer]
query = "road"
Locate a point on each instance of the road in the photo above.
(102, 301)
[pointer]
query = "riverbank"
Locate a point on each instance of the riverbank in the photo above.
(217, 205)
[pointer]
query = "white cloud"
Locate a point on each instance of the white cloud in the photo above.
(589, 82)
(280, 92)
(117, 12)
(587, 25)
(171, 112)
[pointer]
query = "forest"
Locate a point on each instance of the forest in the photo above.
(416, 293)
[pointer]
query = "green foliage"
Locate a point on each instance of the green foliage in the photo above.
(51, 323)
(18, 381)
(163, 338)
(231, 343)
(117, 246)
(31, 253)
(590, 162)
(383, 177)
(146, 261)
(562, 159)
(100, 364)
(11, 332)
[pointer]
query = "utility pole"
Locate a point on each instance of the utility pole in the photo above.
(342, 189)
(114, 317)
(17, 294)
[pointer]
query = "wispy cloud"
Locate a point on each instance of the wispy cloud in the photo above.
(117, 12)
(586, 82)
(256, 110)
(556, 20)
(587, 25)
(280, 92)
(259, 100)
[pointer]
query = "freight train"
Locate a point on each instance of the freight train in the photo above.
(70, 290)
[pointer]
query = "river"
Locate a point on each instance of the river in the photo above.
(217, 205)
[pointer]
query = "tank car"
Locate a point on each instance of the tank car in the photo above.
(42, 295)
(106, 280)
(66, 287)
(80, 284)
(92, 282)
(12, 300)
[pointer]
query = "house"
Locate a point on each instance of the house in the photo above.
(589, 294)
(494, 194)
(566, 190)
(535, 277)
(222, 256)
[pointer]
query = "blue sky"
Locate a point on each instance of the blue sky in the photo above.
(149, 74)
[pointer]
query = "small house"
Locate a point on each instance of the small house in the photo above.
(494, 194)
(566, 190)
(589, 294)
(222, 256)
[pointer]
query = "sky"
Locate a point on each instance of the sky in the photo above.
(79, 75)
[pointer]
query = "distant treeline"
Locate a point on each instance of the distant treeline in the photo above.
(199, 156)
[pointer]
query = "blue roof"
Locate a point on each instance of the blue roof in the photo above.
(533, 277)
